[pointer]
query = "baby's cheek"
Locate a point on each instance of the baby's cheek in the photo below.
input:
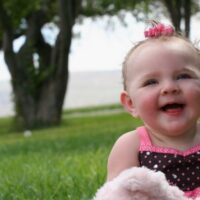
(148, 104)
(193, 97)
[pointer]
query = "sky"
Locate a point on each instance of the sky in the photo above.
(101, 45)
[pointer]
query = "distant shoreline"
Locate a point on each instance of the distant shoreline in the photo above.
(86, 88)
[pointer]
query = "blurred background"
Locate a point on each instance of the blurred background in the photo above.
(97, 52)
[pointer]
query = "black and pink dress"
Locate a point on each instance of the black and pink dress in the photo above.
(182, 168)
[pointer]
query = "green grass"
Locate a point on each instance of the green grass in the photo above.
(65, 162)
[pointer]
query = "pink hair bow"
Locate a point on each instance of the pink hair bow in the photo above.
(159, 29)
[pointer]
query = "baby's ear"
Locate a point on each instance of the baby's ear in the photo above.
(128, 104)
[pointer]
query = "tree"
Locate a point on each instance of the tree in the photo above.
(38, 90)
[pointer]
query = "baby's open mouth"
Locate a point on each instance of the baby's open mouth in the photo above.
(172, 106)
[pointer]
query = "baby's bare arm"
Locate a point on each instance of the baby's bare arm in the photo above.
(124, 155)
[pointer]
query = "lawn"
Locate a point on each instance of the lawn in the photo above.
(64, 162)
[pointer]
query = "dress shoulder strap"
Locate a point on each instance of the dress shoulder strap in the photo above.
(144, 137)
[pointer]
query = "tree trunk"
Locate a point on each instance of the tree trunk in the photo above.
(174, 9)
(187, 15)
(180, 10)
(44, 110)
(39, 91)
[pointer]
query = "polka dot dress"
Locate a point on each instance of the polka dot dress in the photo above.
(182, 168)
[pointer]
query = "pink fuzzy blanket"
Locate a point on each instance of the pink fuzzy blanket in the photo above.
(139, 183)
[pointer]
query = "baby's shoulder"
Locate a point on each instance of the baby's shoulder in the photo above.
(128, 138)
(124, 154)
(127, 144)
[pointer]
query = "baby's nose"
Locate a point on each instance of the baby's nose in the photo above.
(170, 88)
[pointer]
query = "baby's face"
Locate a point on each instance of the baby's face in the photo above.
(164, 86)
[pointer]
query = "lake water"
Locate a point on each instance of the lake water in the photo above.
(88, 88)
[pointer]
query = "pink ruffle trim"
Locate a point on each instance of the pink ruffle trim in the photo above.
(146, 145)
(193, 194)
(170, 150)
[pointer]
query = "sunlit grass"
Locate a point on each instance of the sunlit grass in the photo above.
(65, 162)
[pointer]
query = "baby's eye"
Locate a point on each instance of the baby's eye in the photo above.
(184, 76)
(150, 82)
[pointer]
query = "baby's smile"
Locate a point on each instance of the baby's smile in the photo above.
(173, 108)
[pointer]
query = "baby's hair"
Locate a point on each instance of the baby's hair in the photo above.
(161, 38)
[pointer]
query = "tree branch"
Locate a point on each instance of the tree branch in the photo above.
(187, 14)
(7, 42)
(174, 9)
(68, 11)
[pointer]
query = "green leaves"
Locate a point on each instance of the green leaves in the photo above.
(18, 9)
